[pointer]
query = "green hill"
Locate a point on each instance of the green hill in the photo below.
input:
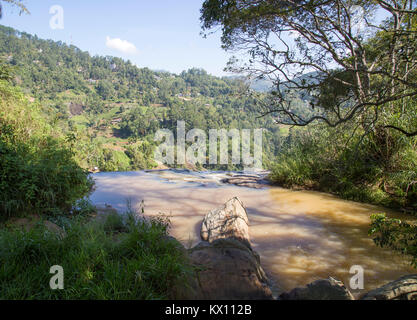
(110, 109)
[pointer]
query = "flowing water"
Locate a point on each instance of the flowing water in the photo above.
(301, 236)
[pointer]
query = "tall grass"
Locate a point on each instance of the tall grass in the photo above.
(117, 258)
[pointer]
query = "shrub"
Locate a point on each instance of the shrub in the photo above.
(37, 169)
(396, 234)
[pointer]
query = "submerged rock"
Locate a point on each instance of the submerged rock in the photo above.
(404, 288)
(247, 180)
(323, 289)
(228, 221)
(227, 269)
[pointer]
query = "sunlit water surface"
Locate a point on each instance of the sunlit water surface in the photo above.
(301, 236)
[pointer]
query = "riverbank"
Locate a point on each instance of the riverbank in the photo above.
(113, 257)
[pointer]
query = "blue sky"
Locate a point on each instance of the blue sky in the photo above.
(158, 34)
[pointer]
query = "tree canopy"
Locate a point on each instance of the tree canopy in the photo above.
(352, 66)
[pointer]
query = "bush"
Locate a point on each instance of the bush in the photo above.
(99, 261)
(396, 234)
(379, 168)
(37, 169)
(115, 160)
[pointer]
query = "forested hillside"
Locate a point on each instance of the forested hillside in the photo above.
(109, 108)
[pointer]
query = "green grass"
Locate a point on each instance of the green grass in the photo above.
(118, 258)
(80, 121)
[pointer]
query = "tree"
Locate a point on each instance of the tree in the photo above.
(17, 3)
(350, 66)
(105, 89)
(6, 71)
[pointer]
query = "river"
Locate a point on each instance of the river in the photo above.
(301, 236)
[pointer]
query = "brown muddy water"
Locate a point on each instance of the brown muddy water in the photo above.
(301, 236)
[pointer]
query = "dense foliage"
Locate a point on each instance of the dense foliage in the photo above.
(397, 234)
(379, 168)
(37, 169)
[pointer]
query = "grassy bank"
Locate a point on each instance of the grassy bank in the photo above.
(112, 258)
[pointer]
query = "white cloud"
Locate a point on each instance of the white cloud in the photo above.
(121, 45)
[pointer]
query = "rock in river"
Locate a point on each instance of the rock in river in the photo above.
(404, 288)
(256, 181)
(323, 289)
(227, 269)
(225, 265)
(228, 221)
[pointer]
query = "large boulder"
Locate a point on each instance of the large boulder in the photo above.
(404, 288)
(228, 221)
(226, 269)
(323, 289)
(225, 266)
